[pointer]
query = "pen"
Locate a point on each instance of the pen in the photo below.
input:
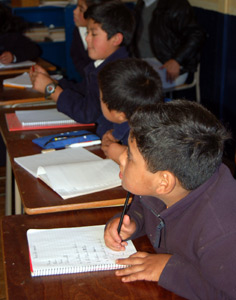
(84, 144)
(123, 212)
(33, 69)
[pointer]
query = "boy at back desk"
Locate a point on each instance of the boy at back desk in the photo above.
(110, 29)
(125, 85)
(186, 203)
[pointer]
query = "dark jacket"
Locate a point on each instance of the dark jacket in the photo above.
(81, 101)
(19, 45)
(174, 33)
(200, 233)
(78, 54)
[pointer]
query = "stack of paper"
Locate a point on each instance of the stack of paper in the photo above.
(72, 172)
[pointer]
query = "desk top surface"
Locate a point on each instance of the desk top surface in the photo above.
(36, 196)
(92, 285)
(11, 96)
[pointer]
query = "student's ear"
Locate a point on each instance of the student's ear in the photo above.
(165, 183)
(121, 117)
(117, 39)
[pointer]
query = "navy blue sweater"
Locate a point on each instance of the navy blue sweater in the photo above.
(81, 101)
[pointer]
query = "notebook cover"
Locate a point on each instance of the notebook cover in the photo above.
(14, 124)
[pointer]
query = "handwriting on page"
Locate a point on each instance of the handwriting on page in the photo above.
(79, 252)
(72, 250)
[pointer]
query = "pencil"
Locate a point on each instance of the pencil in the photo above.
(13, 86)
(123, 212)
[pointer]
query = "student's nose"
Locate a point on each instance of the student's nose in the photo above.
(87, 38)
(122, 158)
(76, 11)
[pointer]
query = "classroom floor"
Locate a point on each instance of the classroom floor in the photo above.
(2, 208)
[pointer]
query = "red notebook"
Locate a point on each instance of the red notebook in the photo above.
(14, 124)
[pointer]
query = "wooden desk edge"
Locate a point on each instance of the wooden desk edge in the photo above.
(21, 101)
(74, 206)
(4, 261)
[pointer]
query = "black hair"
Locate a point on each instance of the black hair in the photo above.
(92, 2)
(114, 17)
(182, 137)
(127, 84)
(9, 22)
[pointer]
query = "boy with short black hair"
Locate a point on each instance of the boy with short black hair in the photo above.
(110, 28)
(125, 85)
(186, 203)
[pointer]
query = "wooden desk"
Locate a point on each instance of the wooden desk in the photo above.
(36, 196)
(45, 64)
(103, 285)
(13, 96)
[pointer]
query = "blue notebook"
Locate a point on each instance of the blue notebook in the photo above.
(80, 138)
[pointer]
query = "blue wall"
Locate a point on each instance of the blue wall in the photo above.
(218, 65)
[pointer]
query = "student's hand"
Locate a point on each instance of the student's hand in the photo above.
(40, 81)
(6, 58)
(172, 69)
(143, 266)
(114, 240)
(39, 69)
(107, 140)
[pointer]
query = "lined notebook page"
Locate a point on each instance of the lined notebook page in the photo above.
(22, 80)
(72, 250)
(42, 117)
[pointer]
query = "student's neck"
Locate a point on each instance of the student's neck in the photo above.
(175, 196)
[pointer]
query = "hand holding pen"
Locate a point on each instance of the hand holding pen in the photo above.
(126, 227)
(123, 212)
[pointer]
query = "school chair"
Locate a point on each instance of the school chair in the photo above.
(195, 83)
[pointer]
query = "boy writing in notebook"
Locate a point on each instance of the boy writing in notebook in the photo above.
(110, 28)
(185, 202)
(125, 85)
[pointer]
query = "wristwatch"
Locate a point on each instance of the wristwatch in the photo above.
(50, 89)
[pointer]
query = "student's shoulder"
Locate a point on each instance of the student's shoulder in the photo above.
(220, 199)
(120, 53)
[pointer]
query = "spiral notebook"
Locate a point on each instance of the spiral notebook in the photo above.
(72, 250)
(42, 117)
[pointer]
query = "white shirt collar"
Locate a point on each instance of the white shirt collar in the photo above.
(149, 2)
(98, 62)
(83, 33)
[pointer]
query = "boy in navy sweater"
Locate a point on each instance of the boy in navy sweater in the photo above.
(186, 203)
(125, 85)
(110, 29)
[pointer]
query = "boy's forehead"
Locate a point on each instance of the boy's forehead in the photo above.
(92, 24)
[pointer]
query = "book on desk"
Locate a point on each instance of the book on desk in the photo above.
(72, 250)
(72, 172)
(24, 81)
(27, 63)
(39, 119)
